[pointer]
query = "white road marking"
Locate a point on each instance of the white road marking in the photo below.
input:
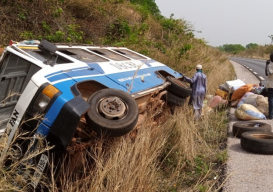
(250, 69)
(255, 73)
(261, 78)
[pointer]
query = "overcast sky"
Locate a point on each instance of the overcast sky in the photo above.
(224, 21)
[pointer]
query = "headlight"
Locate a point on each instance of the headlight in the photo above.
(45, 97)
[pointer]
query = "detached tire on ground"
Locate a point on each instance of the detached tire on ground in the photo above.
(174, 100)
(113, 112)
(257, 142)
(178, 87)
(240, 127)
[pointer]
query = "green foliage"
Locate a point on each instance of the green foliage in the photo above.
(46, 27)
(144, 52)
(143, 12)
(119, 29)
(202, 188)
(57, 12)
(143, 28)
(22, 16)
(27, 35)
(148, 5)
(121, 33)
(58, 36)
(222, 156)
(160, 47)
(73, 33)
(70, 34)
(252, 46)
(184, 49)
(169, 23)
(201, 167)
(232, 48)
(102, 10)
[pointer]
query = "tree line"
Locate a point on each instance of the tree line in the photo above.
(236, 48)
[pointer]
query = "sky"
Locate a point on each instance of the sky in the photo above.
(224, 21)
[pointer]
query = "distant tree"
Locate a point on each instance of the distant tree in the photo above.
(252, 46)
(233, 48)
(221, 48)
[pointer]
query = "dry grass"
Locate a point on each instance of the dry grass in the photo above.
(17, 165)
(180, 154)
(122, 164)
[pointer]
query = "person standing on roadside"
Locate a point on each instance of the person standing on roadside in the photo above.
(199, 88)
(269, 85)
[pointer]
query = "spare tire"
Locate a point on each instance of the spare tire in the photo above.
(178, 87)
(113, 112)
(174, 100)
(257, 142)
(240, 127)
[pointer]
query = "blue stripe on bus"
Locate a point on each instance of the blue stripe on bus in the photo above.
(43, 129)
(58, 77)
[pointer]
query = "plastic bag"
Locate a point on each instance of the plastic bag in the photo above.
(238, 93)
(257, 89)
(217, 101)
(243, 98)
(262, 104)
(221, 93)
(248, 112)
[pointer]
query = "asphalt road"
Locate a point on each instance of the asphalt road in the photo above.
(256, 66)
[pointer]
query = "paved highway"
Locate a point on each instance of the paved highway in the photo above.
(256, 66)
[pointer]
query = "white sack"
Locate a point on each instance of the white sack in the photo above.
(233, 85)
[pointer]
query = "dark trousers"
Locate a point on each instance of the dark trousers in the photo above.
(270, 103)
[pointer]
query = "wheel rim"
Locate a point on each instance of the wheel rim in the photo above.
(180, 83)
(112, 108)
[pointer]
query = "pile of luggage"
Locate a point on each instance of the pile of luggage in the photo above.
(249, 99)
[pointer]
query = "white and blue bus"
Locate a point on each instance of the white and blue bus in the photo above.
(62, 85)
